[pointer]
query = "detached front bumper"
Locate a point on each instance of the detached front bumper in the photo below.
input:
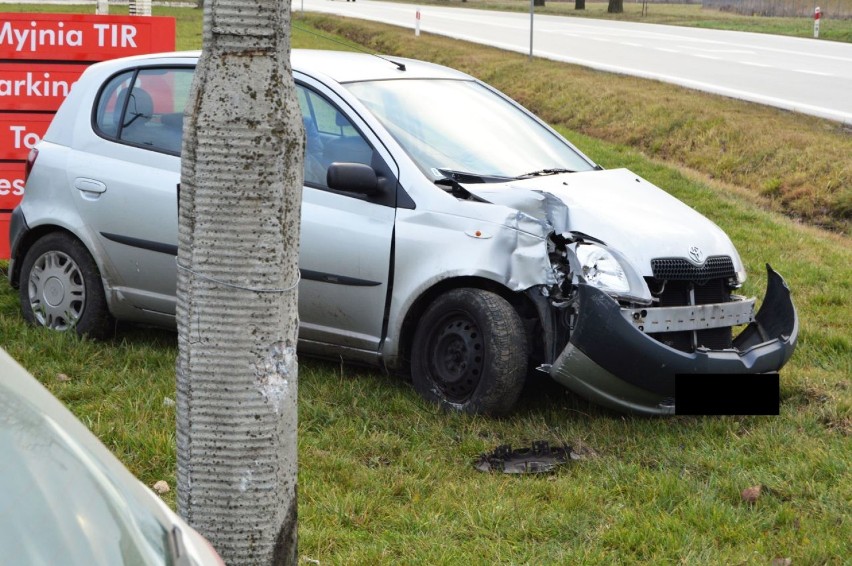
(611, 362)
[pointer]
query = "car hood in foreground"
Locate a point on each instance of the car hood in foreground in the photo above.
(66, 499)
(617, 207)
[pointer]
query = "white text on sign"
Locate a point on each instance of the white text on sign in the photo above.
(35, 37)
(23, 139)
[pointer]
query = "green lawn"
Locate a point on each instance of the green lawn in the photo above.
(386, 478)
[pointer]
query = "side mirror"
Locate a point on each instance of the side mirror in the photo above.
(353, 178)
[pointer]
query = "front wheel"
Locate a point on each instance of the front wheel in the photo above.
(61, 287)
(470, 352)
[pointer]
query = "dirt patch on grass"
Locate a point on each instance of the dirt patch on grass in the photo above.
(840, 425)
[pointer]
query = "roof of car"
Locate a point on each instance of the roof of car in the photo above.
(345, 66)
(340, 66)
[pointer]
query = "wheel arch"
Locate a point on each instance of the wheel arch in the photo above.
(28, 239)
(519, 300)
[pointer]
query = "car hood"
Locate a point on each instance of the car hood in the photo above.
(617, 207)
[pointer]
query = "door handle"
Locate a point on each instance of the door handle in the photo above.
(89, 185)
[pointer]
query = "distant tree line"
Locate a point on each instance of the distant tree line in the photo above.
(840, 9)
(783, 8)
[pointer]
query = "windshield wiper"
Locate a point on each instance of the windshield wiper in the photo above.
(544, 173)
(466, 177)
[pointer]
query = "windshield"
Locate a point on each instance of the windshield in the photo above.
(454, 126)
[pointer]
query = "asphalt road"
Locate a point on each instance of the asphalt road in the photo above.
(804, 75)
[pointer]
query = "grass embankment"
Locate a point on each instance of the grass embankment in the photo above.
(686, 15)
(386, 478)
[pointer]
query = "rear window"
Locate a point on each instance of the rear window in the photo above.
(144, 107)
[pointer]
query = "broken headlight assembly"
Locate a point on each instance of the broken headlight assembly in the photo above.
(601, 269)
(609, 271)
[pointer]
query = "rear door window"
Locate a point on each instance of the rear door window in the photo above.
(144, 107)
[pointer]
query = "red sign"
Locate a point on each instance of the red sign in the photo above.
(20, 132)
(78, 37)
(31, 89)
(11, 186)
(28, 86)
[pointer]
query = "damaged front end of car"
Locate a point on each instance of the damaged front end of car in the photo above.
(617, 331)
(624, 353)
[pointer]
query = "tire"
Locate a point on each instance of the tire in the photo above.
(470, 353)
(61, 288)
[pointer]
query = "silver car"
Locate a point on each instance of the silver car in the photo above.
(67, 500)
(447, 233)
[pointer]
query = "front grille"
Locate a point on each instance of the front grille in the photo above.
(675, 290)
(711, 292)
(680, 269)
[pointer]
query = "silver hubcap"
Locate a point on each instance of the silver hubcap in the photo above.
(56, 290)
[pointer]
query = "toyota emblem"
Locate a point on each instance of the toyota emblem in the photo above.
(696, 254)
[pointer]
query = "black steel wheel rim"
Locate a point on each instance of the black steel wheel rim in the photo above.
(456, 355)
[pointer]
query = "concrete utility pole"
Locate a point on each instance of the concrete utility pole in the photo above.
(239, 215)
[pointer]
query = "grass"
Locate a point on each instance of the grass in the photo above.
(386, 478)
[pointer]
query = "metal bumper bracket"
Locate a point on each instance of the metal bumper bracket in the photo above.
(691, 317)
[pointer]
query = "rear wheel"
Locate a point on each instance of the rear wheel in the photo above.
(470, 352)
(61, 287)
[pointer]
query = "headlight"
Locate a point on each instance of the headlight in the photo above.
(601, 269)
